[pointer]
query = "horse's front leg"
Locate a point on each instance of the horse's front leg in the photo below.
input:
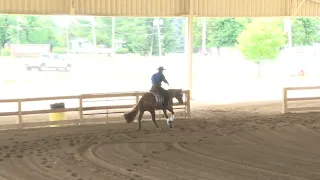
(167, 117)
(172, 113)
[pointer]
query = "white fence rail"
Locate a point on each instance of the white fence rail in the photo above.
(286, 99)
(110, 105)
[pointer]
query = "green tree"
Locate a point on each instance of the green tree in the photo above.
(134, 31)
(170, 36)
(226, 31)
(7, 29)
(222, 32)
(81, 28)
(262, 40)
(305, 31)
(197, 32)
(212, 32)
(139, 34)
(177, 25)
(38, 30)
(104, 31)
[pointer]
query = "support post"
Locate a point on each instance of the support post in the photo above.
(204, 35)
(188, 105)
(190, 48)
(284, 100)
(94, 36)
(137, 98)
(159, 37)
(113, 33)
(288, 30)
(20, 114)
(80, 109)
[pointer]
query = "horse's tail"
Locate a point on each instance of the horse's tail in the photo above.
(129, 116)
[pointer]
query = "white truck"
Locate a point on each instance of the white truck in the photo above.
(48, 61)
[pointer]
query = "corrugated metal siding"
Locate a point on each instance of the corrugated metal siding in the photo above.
(34, 7)
(131, 7)
(241, 8)
(210, 8)
(307, 8)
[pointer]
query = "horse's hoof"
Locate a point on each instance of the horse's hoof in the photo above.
(170, 124)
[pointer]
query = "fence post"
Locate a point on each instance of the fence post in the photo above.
(284, 100)
(20, 114)
(137, 98)
(80, 109)
(188, 104)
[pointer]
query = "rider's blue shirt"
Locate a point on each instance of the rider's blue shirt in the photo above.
(157, 78)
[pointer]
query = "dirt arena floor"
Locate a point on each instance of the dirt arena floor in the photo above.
(238, 142)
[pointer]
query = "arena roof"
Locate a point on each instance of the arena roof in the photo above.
(144, 8)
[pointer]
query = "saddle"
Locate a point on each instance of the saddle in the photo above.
(159, 99)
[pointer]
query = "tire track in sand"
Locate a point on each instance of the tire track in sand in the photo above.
(180, 167)
(277, 139)
(91, 156)
(236, 165)
(279, 148)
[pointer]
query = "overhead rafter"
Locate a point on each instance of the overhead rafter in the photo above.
(305, 8)
(299, 7)
(316, 1)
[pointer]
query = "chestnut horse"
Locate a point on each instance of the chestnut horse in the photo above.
(149, 102)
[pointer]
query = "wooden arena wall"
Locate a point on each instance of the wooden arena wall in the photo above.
(84, 109)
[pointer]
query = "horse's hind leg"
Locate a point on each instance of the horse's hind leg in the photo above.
(153, 114)
(140, 118)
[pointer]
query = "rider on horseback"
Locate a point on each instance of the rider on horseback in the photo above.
(157, 79)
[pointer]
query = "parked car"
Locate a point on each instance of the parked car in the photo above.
(48, 61)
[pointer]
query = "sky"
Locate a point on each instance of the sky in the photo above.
(63, 21)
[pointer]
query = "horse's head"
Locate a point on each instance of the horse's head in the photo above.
(176, 93)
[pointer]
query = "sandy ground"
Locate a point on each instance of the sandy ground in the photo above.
(241, 142)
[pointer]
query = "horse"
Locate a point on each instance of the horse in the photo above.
(151, 102)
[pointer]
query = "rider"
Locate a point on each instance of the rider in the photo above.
(157, 79)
